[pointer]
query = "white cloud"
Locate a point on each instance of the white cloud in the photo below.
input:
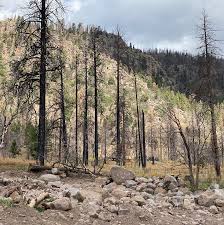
(184, 44)
(75, 6)
(10, 8)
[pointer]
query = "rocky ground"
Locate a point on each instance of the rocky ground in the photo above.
(123, 199)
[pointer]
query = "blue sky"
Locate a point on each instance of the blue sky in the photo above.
(147, 23)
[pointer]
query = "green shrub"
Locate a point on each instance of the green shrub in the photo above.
(6, 202)
(14, 150)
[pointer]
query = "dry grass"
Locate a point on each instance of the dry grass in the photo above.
(14, 164)
(160, 169)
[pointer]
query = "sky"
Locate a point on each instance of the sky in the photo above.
(146, 23)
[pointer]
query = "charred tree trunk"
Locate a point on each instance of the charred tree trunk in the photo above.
(214, 142)
(64, 126)
(42, 103)
(143, 141)
(105, 142)
(96, 143)
(60, 142)
(208, 46)
(118, 131)
(76, 111)
(138, 124)
(123, 133)
(85, 130)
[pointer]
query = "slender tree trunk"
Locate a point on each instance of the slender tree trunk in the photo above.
(105, 142)
(123, 133)
(214, 141)
(143, 140)
(59, 144)
(64, 126)
(222, 146)
(152, 146)
(138, 123)
(96, 147)
(76, 111)
(189, 160)
(136, 145)
(42, 103)
(118, 102)
(85, 130)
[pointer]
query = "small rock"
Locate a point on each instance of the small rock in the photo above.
(91, 209)
(123, 211)
(219, 202)
(151, 185)
(207, 198)
(213, 209)
(49, 178)
(110, 187)
(141, 180)
(55, 184)
(146, 195)
(16, 197)
(79, 197)
(149, 191)
(141, 187)
(139, 199)
(177, 201)
(188, 204)
(120, 192)
(112, 208)
(105, 216)
(55, 171)
(111, 200)
(214, 186)
(130, 183)
(63, 204)
(160, 190)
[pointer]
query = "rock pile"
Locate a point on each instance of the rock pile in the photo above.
(121, 194)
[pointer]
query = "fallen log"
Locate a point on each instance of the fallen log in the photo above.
(36, 201)
(38, 168)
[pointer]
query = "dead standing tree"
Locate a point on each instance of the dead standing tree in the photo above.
(207, 61)
(36, 39)
(85, 118)
(94, 46)
(118, 100)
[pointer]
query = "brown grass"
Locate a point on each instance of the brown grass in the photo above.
(160, 169)
(14, 164)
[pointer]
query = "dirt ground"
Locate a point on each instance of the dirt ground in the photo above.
(24, 215)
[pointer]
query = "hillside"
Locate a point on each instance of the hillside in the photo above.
(165, 85)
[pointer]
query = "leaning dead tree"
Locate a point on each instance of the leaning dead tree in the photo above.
(31, 70)
(200, 136)
(207, 74)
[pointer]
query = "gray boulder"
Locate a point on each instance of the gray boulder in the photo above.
(63, 204)
(209, 197)
(119, 175)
